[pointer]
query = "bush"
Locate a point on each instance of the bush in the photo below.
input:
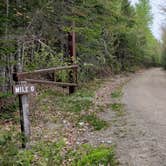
(52, 154)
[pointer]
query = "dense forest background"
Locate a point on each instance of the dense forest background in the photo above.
(112, 36)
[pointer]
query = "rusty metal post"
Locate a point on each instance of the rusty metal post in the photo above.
(72, 53)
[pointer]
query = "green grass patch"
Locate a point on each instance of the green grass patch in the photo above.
(90, 156)
(5, 95)
(52, 154)
(8, 111)
(118, 108)
(81, 100)
(94, 121)
(74, 103)
(117, 93)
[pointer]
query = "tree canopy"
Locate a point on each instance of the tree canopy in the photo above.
(111, 36)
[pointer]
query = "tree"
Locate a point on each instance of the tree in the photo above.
(111, 35)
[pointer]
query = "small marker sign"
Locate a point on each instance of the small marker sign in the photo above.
(23, 89)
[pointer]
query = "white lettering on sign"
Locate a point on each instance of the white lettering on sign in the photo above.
(32, 88)
(17, 89)
(23, 89)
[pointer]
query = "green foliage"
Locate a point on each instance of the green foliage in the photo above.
(164, 59)
(111, 35)
(90, 156)
(44, 59)
(117, 93)
(163, 45)
(75, 103)
(8, 111)
(10, 153)
(79, 101)
(52, 154)
(8, 106)
(118, 108)
(5, 95)
(40, 154)
(94, 121)
(150, 48)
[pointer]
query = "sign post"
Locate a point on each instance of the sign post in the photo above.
(22, 89)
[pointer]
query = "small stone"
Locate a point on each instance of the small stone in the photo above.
(64, 121)
(81, 123)
(109, 142)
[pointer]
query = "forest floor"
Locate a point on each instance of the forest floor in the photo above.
(125, 111)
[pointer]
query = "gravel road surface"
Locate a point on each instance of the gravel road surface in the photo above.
(144, 143)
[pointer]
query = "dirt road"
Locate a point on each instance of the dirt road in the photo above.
(144, 143)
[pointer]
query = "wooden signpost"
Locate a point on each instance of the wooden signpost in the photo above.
(22, 89)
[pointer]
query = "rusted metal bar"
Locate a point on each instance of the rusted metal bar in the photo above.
(72, 53)
(75, 76)
(22, 75)
(51, 82)
(73, 43)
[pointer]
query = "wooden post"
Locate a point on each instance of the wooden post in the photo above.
(22, 90)
(72, 53)
(24, 118)
(23, 100)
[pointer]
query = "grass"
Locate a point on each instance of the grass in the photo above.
(117, 93)
(52, 154)
(77, 102)
(8, 106)
(118, 108)
(8, 112)
(90, 156)
(94, 121)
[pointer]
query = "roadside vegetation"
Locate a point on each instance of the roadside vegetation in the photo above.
(51, 148)
(164, 48)
(53, 154)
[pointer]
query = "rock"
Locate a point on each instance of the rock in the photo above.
(81, 123)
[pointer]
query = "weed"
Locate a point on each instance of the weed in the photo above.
(117, 93)
(8, 111)
(101, 108)
(118, 108)
(5, 95)
(77, 102)
(91, 156)
(52, 154)
(94, 121)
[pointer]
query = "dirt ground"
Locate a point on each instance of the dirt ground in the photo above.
(139, 134)
(145, 102)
